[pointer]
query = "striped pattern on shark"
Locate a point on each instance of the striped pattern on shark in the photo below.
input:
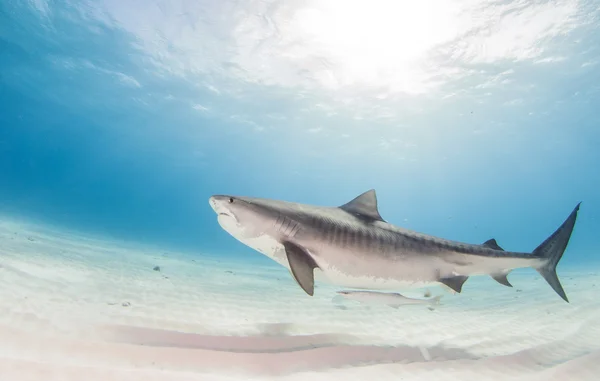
(353, 246)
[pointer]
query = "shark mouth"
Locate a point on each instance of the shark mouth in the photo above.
(227, 214)
(228, 221)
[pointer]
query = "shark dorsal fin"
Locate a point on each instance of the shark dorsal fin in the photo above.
(492, 244)
(364, 206)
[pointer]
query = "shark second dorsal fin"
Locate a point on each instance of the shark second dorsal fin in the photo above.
(364, 206)
(492, 244)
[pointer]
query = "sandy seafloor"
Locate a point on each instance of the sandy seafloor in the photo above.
(80, 308)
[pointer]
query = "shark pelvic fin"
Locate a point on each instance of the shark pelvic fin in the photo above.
(365, 206)
(455, 282)
(302, 266)
(492, 244)
(501, 278)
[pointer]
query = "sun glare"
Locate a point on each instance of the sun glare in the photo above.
(377, 41)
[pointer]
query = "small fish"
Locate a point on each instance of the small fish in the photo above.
(392, 299)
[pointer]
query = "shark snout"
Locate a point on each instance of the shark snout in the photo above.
(219, 203)
(227, 207)
(214, 204)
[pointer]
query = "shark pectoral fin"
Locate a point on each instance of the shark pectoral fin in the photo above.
(302, 266)
(455, 282)
(492, 244)
(501, 278)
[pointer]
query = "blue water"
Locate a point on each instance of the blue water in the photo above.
(122, 118)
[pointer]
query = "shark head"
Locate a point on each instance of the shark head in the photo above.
(243, 217)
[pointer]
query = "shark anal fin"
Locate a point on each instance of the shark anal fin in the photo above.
(502, 279)
(455, 282)
(302, 266)
(492, 244)
(364, 205)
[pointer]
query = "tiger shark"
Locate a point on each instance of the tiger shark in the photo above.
(353, 246)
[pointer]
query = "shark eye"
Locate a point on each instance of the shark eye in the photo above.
(230, 200)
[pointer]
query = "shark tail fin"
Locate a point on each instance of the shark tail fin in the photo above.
(551, 251)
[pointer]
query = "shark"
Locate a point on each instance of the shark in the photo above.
(352, 246)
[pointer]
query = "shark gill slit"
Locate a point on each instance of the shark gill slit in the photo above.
(286, 224)
(284, 221)
(289, 228)
(295, 230)
(277, 225)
